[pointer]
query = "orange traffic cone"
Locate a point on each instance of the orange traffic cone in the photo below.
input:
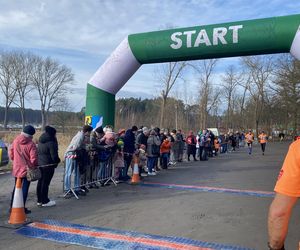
(136, 176)
(17, 214)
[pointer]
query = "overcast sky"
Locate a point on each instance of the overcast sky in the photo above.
(82, 33)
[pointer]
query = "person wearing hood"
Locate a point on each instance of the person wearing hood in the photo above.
(48, 160)
(153, 150)
(23, 153)
(129, 149)
(191, 142)
(74, 161)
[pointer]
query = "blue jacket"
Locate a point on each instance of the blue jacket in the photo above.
(129, 142)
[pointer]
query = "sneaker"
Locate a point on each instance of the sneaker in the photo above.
(39, 204)
(49, 204)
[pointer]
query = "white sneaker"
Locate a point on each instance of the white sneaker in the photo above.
(49, 204)
(39, 204)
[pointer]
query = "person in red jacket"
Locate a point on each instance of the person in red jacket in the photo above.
(191, 145)
(165, 148)
(23, 153)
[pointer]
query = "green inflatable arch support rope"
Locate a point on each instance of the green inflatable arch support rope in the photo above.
(252, 37)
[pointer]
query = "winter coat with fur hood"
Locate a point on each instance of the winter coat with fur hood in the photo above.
(23, 152)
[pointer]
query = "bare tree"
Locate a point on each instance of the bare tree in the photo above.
(51, 81)
(168, 76)
(260, 69)
(287, 87)
(244, 84)
(208, 98)
(230, 81)
(59, 116)
(6, 83)
(22, 67)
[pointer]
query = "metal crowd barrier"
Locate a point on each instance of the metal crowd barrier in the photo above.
(96, 172)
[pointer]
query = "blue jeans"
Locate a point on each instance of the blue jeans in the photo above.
(249, 148)
(224, 148)
(25, 189)
(165, 160)
(150, 163)
(70, 166)
(101, 173)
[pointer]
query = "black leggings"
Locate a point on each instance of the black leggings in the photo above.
(42, 188)
(263, 147)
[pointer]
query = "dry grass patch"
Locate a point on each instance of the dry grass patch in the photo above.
(63, 140)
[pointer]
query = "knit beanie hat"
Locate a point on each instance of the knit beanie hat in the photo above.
(87, 128)
(29, 130)
(99, 130)
(145, 130)
(107, 129)
(152, 132)
(134, 128)
(50, 131)
(121, 131)
(120, 144)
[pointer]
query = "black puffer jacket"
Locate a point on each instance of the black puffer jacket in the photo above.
(48, 150)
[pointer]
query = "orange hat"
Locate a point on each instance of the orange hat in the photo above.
(121, 131)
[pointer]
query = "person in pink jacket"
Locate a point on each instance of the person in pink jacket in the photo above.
(23, 153)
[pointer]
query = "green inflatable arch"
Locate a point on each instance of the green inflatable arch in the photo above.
(253, 37)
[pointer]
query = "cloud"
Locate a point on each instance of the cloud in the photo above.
(15, 18)
(99, 26)
(82, 34)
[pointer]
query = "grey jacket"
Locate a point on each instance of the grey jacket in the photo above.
(76, 143)
(152, 140)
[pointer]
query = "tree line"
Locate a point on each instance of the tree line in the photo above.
(24, 73)
(260, 92)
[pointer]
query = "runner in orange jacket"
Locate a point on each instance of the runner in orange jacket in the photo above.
(249, 138)
(287, 191)
(263, 138)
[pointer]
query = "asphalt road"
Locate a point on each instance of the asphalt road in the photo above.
(207, 216)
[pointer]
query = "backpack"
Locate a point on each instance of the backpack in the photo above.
(155, 150)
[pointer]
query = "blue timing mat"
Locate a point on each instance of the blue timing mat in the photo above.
(104, 238)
